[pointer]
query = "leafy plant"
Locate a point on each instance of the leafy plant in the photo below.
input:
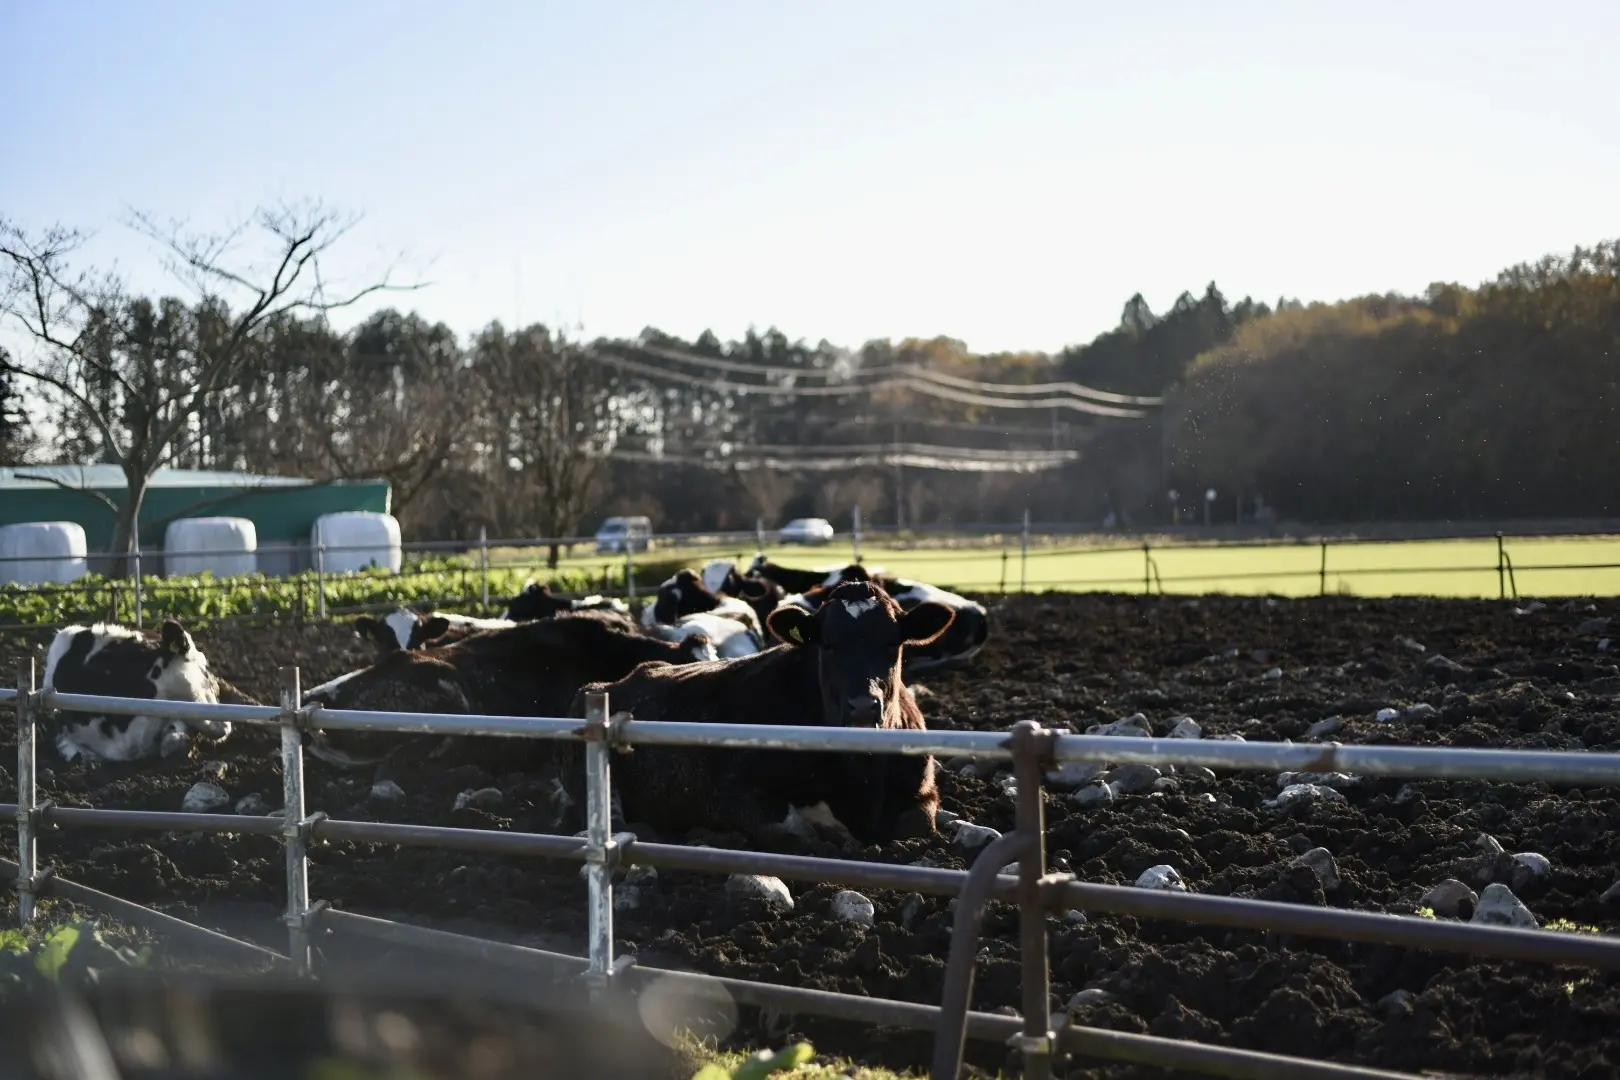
(760, 1064)
(62, 953)
(445, 582)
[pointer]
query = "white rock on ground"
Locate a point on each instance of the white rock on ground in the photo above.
(1320, 862)
(387, 791)
(1298, 793)
(1333, 780)
(483, 799)
(1409, 644)
(1530, 867)
(971, 837)
(1133, 779)
(1163, 877)
(1273, 675)
(204, 798)
(252, 805)
(760, 887)
(1093, 996)
(1488, 844)
(1325, 727)
(1072, 775)
(1093, 795)
(1499, 907)
(1132, 727)
(1447, 899)
(1388, 716)
(851, 906)
(1187, 728)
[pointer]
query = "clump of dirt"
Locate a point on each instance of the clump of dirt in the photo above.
(1419, 672)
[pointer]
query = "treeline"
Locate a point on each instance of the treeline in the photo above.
(1489, 402)
(1500, 401)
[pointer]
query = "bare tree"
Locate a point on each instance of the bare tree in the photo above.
(548, 407)
(138, 374)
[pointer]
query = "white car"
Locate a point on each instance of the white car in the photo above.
(806, 531)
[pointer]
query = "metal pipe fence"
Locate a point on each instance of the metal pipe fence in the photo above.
(1038, 1034)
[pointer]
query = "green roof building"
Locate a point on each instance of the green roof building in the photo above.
(283, 509)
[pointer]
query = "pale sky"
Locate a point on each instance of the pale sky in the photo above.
(1005, 173)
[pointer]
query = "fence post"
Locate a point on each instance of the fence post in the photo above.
(1023, 556)
(1501, 568)
(599, 825)
(1029, 742)
(483, 567)
(294, 829)
(1321, 573)
(857, 535)
(1147, 568)
(630, 569)
(27, 795)
(320, 572)
(1003, 571)
(135, 542)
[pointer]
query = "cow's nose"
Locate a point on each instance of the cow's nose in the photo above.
(862, 709)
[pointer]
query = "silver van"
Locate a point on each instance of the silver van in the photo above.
(619, 533)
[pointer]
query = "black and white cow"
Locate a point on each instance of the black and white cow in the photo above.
(720, 577)
(403, 628)
(115, 661)
(794, 581)
(840, 667)
(537, 601)
(685, 606)
(966, 636)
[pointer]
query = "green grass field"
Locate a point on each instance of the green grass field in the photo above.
(1582, 566)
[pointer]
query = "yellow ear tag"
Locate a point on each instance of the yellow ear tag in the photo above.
(797, 635)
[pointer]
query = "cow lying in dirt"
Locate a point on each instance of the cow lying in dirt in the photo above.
(118, 661)
(840, 666)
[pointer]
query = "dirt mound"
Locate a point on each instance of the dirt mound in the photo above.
(1458, 673)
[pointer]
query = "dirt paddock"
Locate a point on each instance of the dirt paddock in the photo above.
(1263, 669)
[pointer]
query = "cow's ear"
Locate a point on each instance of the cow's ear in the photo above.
(751, 589)
(435, 627)
(924, 624)
(174, 638)
(794, 625)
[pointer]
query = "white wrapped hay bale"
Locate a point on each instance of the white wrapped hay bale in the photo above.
(224, 546)
(358, 540)
(43, 553)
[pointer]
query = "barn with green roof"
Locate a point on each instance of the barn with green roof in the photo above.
(283, 509)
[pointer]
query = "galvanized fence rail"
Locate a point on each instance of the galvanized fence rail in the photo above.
(1039, 1034)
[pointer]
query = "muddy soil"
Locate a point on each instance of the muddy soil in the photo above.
(1544, 678)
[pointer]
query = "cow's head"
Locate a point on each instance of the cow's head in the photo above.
(683, 594)
(858, 635)
(401, 628)
(536, 601)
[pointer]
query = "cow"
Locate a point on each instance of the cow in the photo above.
(720, 577)
(528, 669)
(531, 669)
(838, 667)
(537, 601)
(732, 637)
(116, 661)
(686, 594)
(801, 581)
(966, 636)
(403, 628)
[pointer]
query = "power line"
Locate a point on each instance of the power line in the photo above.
(907, 382)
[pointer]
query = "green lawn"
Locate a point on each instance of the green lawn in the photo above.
(1551, 567)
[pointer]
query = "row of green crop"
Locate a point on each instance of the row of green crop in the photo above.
(457, 582)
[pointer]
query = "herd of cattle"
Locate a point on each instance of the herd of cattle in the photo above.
(702, 651)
